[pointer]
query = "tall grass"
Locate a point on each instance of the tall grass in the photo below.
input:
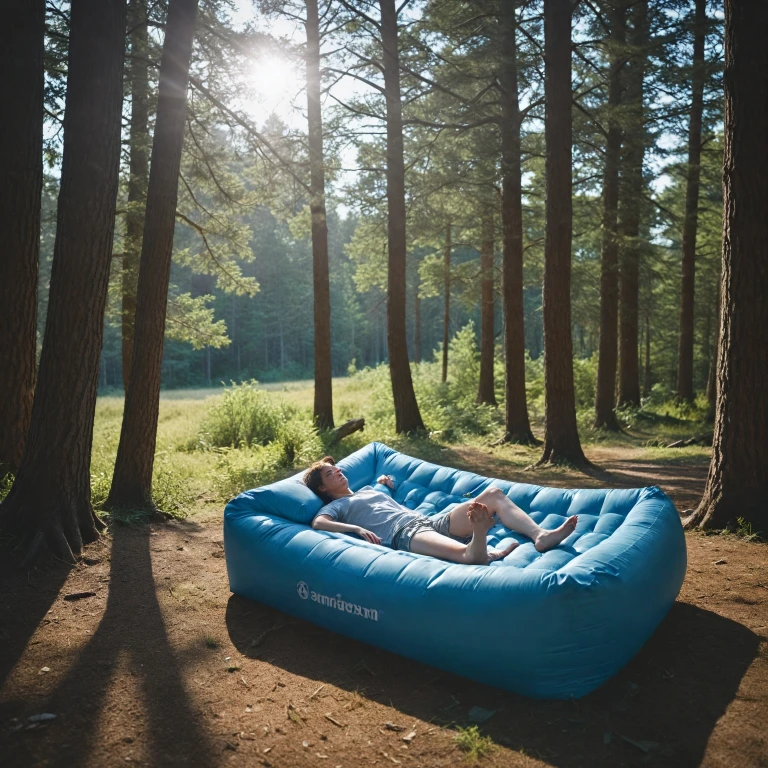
(214, 443)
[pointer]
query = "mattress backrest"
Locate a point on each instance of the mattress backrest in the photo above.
(428, 487)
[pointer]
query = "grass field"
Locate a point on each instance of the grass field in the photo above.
(190, 475)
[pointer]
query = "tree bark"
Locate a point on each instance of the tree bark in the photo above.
(446, 300)
(737, 484)
(685, 346)
(561, 441)
(138, 172)
(417, 322)
(50, 500)
(323, 407)
(132, 479)
(485, 390)
(647, 370)
(712, 377)
(517, 427)
(631, 193)
(21, 180)
(407, 415)
(605, 391)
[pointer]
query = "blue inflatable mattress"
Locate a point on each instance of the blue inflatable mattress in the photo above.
(554, 625)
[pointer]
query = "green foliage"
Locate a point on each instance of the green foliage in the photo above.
(473, 743)
(256, 436)
(6, 481)
(744, 530)
(449, 409)
(245, 416)
(191, 321)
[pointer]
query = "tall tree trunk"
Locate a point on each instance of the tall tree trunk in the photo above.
(517, 427)
(446, 300)
(647, 370)
(712, 377)
(138, 171)
(485, 390)
(605, 416)
(737, 484)
(685, 345)
(132, 479)
(417, 322)
(561, 441)
(21, 180)
(631, 193)
(51, 499)
(407, 415)
(323, 408)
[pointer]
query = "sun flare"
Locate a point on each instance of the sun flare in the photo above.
(274, 81)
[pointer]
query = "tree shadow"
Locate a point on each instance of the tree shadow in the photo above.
(130, 637)
(661, 708)
(28, 594)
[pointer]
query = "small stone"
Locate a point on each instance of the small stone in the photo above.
(43, 670)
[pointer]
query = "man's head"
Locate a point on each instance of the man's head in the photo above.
(326, 480)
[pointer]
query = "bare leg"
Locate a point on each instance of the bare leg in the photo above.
(512, 517)
(475, 553)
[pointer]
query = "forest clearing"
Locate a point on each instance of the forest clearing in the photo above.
(163, 666)
(384, 382)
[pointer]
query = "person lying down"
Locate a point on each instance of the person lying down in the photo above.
(458, 535)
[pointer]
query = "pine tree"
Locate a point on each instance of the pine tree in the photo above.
(21, 179)
(737, 484)
(561, 440)
(132, 479)
(50, 499)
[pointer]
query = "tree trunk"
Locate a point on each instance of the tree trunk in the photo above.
(605, 393)
(51, 498)
(407, 415)
(712, 377)
(647, 371)
(631, 193)
(737, 484)
(323, 408)
(132, 479)
(517, 427)
(21, 180)
(685, 346)
(446, 300)
(138, 171)
(561, 441)
(417, 322)
(485, 390)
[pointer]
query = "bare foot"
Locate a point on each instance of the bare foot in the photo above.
(500, 554)
(481, 519)
(550, 539)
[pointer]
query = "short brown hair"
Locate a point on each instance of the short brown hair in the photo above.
(313, 479)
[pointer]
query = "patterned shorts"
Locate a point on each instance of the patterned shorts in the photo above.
(439, 523)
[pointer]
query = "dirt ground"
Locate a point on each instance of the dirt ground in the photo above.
(162, 666)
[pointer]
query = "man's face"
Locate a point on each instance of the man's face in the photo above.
(333, 481)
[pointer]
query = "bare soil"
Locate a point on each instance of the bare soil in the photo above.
(162, 666)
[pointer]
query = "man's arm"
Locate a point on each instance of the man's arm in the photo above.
(327, 523)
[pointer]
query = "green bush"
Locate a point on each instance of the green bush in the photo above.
(244, 416)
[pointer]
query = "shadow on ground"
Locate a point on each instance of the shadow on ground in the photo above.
(660, 709)
(27, 595)
(132, 638)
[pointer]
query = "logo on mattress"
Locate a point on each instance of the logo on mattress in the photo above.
(336, 603)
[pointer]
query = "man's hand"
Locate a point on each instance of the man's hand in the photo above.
(386, 480)
(368, 535)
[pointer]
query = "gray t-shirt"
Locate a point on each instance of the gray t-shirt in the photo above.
(373, 510)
